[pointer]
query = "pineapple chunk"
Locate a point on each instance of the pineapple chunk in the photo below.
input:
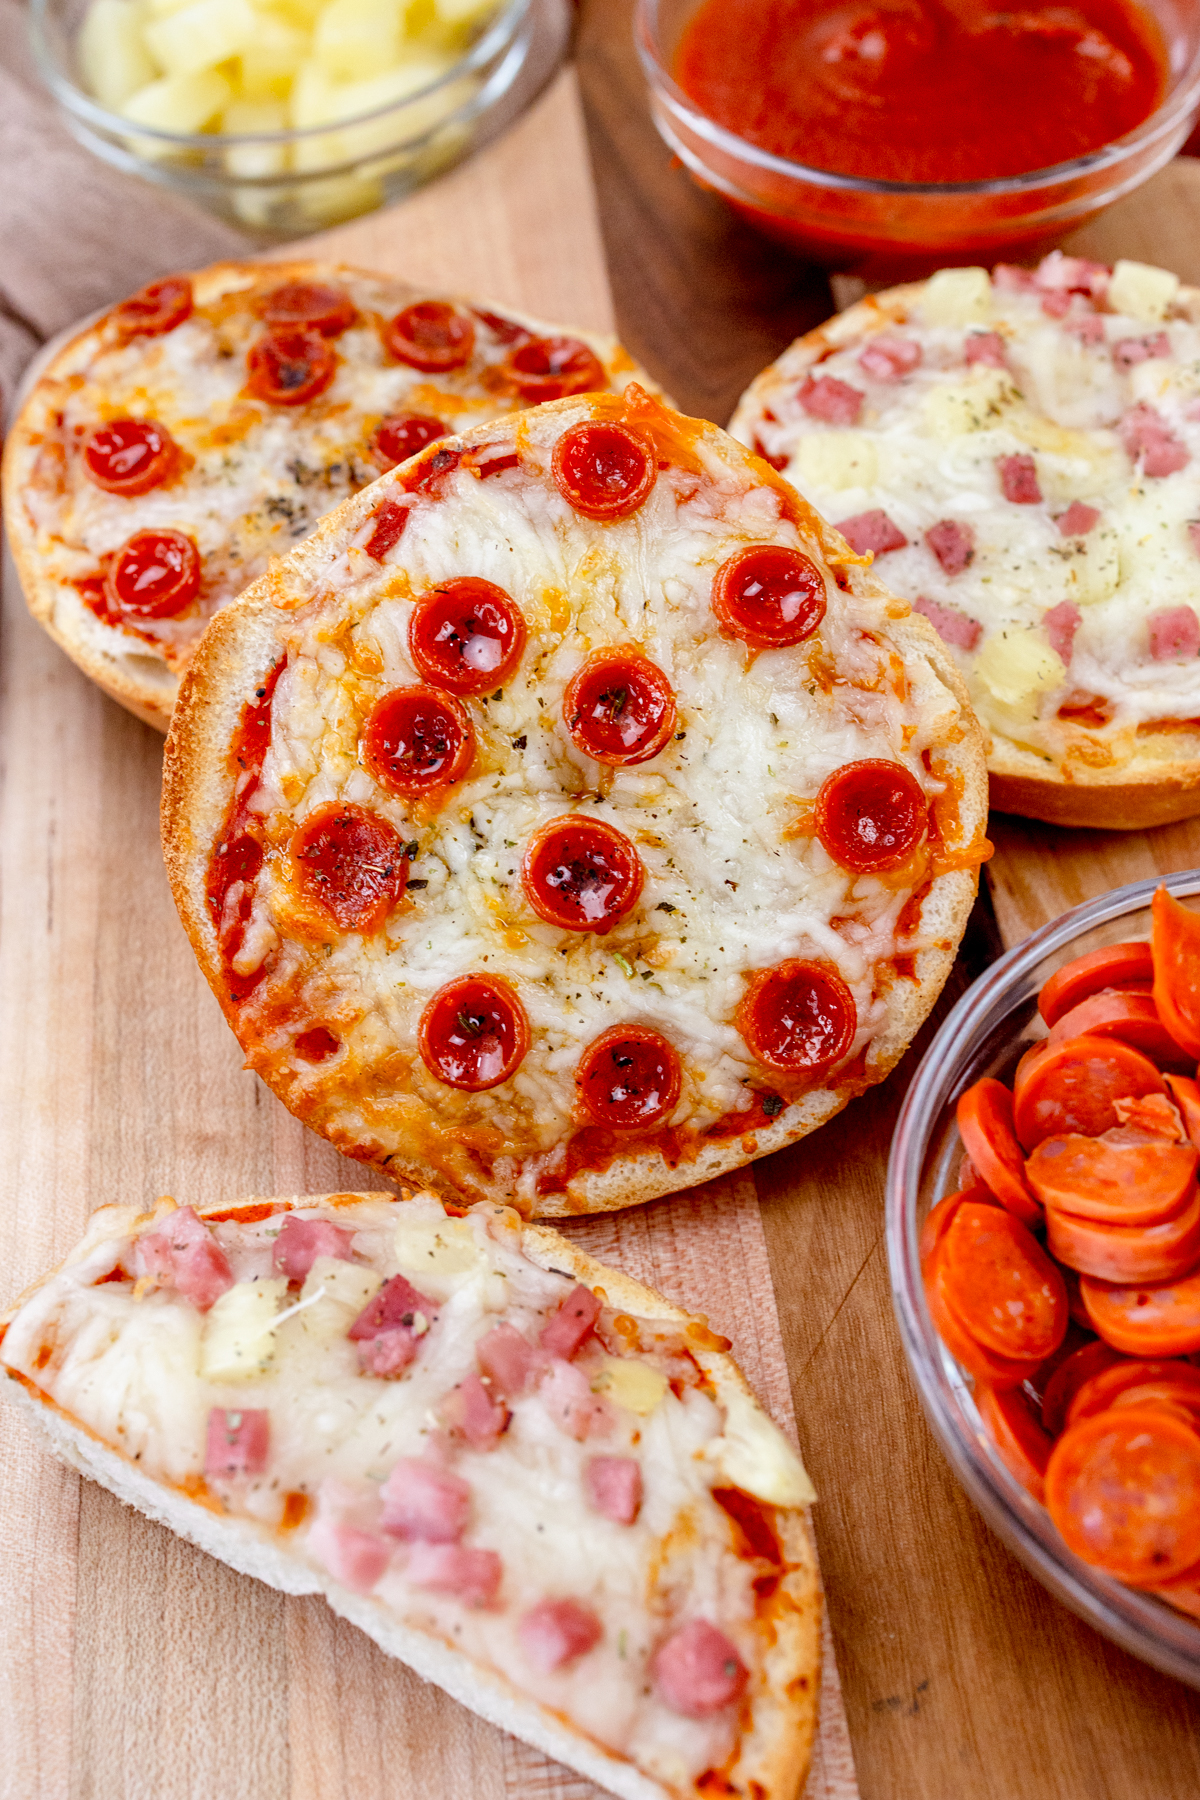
(113, 59)
(300, 13)
(266, 66)
(1017, 667)
(353, 98)
(755, 1456)
(254, 161)
(957, 297)
(463, 12)
(436, 1247)
(200, 36)
(1141, 291)
(954, 408)
(356, 39)
(178, 102)
(239, 1331)
(333, 1295)
(837, 459)
(631, 1384)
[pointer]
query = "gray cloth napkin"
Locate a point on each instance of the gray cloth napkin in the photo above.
(74, 233)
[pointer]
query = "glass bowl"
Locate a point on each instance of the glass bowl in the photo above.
(882, 230)
(985, 1034)
(278, 185)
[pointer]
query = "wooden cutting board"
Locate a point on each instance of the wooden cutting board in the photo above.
(134, 1667)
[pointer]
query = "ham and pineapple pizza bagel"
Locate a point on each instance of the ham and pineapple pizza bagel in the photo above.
(1021, 452)
(207, 423)
(573, 817)
(537, 1483)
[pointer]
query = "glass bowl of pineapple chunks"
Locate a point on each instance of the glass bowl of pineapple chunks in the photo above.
(285, 116)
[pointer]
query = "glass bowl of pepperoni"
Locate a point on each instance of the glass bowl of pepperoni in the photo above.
(1043, 1229)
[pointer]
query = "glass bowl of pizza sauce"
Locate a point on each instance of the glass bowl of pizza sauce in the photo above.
(887, 136)
(986, 1035)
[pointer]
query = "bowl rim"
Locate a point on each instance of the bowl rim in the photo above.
(1166, 118)
(1140, 1623)
(505, 24)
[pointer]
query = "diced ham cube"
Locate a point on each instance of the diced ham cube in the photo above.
(470, 1411)
(572, 1322)
(952, 543)
(238, 1442)
(424, 1503)
(301, 1241)
(1010, 278)
(557, 1632)
(1058, 273)
(1078, 519)
(473, 1576)
(1062, 622)
(389, 1329)
(1056, 305)
(1128, 351)
(508, 1360)
(697, 1671)
(952, 626)
(836, 402)
(1149, 440)
(567, 1396)
(890, 358)
(986, 347)
(1174, 634)
(1018, 479)
(1087, 327)
(872, 531)
(183, 1253)
(354, 1557)
(613, 1485)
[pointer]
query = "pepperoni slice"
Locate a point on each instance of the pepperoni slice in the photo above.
(474, 1033)
(581, 874)
(1175, 948)
(629, 1078)
(1022, 1443)
(1129, 1014)
(404, 435)
(937, 1220)
(466, 635)
(130, 456)
(605, 470)
(289, 365)
(1002, 1285)
(1071, 1087)
(1185, 1092)
(551, 368)
(156, 309)
(985, 1124)
(417, 740)
(1073, 1373)
(1117, 965)
(1146, 1318)
(769, 596)
(1127, 1183)
(998, 1371)
(320, 307)
(351, 863)
(431, 335)
(1123, 1488)
(154, 575)
(871, 816)
(798, 1017)
(1126, 1253)
(1169, 1381)
(619, 707)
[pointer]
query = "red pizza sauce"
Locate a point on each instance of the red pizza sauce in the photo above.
(910, 90)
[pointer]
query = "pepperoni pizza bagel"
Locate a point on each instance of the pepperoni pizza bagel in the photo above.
(203, 426)
(573, 817)
(1021, 452)
(535, 1482)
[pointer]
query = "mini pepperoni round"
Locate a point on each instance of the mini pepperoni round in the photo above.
(474, 1033)
(1022, 1443)
(1126, 1183)
(769, 596)
(1003, 1286)
(1116, 965)
(431, 336)
(1123, 1488)
(605, 470)
(317, 305)
(871, 816)
(799, 1018)
(619, 708)
(998, 1371)
(1126, 1013)
(154, 575)
(551, 368)
(351, 864)
(1159, 1318)
(1167, 1380)
(156, 309)
(404, 435)
(466, 635)
(1073, 1087)
(417, 740)
(1166, 1251)
(1175, 949)
(629, 1078)
(289, 365)
(937, 1220)
(1073, 1373)
(130, 456)
(581, 874)
(985, 1124)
